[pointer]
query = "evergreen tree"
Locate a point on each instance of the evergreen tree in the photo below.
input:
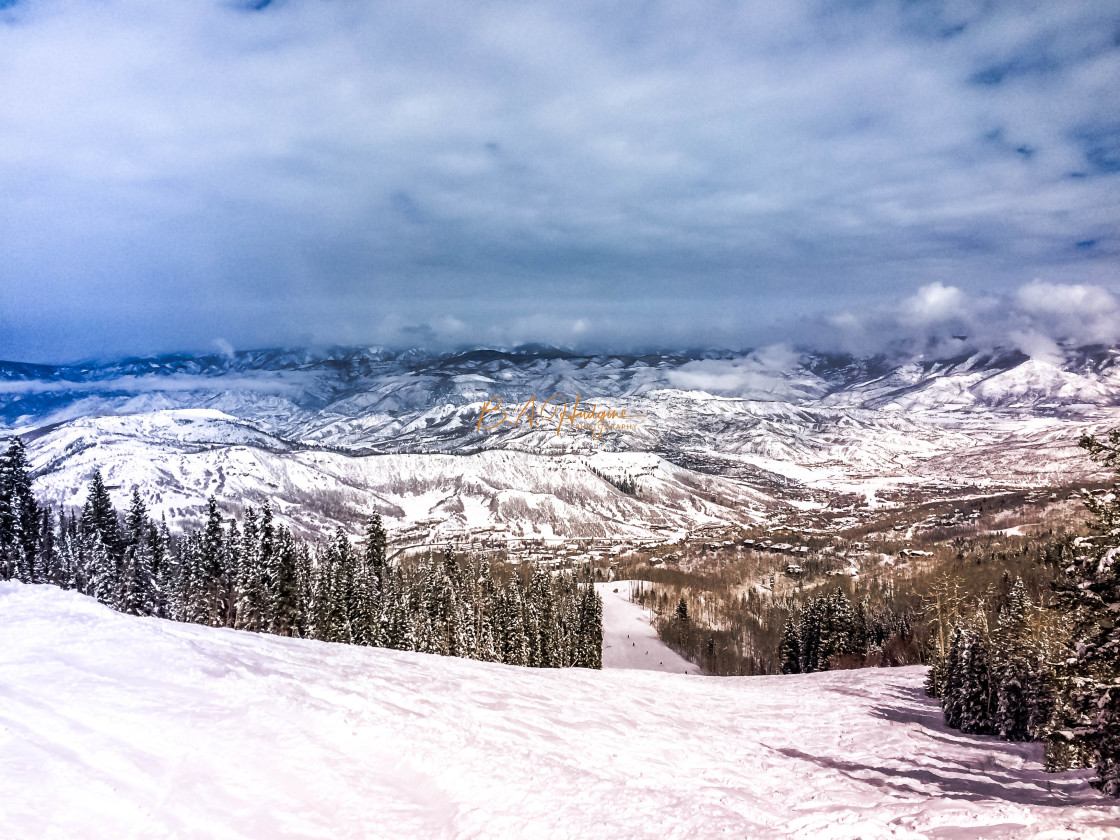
(399, 629)
(71, 558)
(20, 521)
(789, 649)
(135, 594)
(951, 695)
(811, 635)
(835, 623)
(376, 543)
(590, 636)
(975, 692)
(251, 592)
(546, 650)
(266, 570)
(211, 589)
(162, 570)
(103, 575)
(334, 580)
(681, 612)
(1088, 717)
(100, 516)
(50, 560)
(487, 628)
(517, 648)
(233, 543)
(287, 608)
(1013, 670)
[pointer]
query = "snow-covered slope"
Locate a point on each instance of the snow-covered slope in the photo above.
(629, 640)
(713, 438)
(120, 727)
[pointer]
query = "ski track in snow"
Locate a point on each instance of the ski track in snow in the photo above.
(629, 641)
(114, 726)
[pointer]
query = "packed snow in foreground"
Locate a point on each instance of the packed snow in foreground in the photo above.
(121, 727)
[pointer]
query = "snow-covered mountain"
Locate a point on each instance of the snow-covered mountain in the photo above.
(709, 438)
(115, 726)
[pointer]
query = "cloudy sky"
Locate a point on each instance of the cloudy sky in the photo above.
(208, 174)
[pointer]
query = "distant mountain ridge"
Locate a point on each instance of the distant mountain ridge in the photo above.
(722, 438)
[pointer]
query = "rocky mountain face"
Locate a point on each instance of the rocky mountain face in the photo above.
(540, 442)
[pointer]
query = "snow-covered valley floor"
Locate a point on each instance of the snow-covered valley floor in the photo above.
(119, 727)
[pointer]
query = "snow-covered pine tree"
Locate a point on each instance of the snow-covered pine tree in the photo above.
(1088, 716)
(364, 606)
(168, 571)
(103, 572)
(211, 588)
(396, 618)
(136, 594)
(12, 558)
(99, 515)
(975, 690)
(590, 636)
(376, 544)
(486, 629)
(49, 561)
(811, 635)
(789, 648)
(436, 613)
(540, 595)
(1013, 666)
(835, 629)
(286, 610)
(266, 568)
(859, 636)
(20, 520)
(187, 602)
(305, 578)
(952, 681)
(250, 576)
(162, 571)
(233, 542)
(71, 556)
(334, 590)
(519, 624)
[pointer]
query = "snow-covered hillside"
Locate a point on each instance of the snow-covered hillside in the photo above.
(120, 727)
(714, 439)
(178, 458)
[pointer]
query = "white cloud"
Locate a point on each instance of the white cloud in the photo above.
(1038, 346)
(934, 303)
(1079, 313)
(759, 373)
(1074, 299)
(224, 347)
(1038, 318)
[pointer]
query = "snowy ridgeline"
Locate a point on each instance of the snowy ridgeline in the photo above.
(326, 439)
(114, 726)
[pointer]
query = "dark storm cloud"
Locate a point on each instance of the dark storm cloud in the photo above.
(625, 174)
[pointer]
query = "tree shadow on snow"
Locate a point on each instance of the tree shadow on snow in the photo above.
(990, 769)
(1025, 786)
